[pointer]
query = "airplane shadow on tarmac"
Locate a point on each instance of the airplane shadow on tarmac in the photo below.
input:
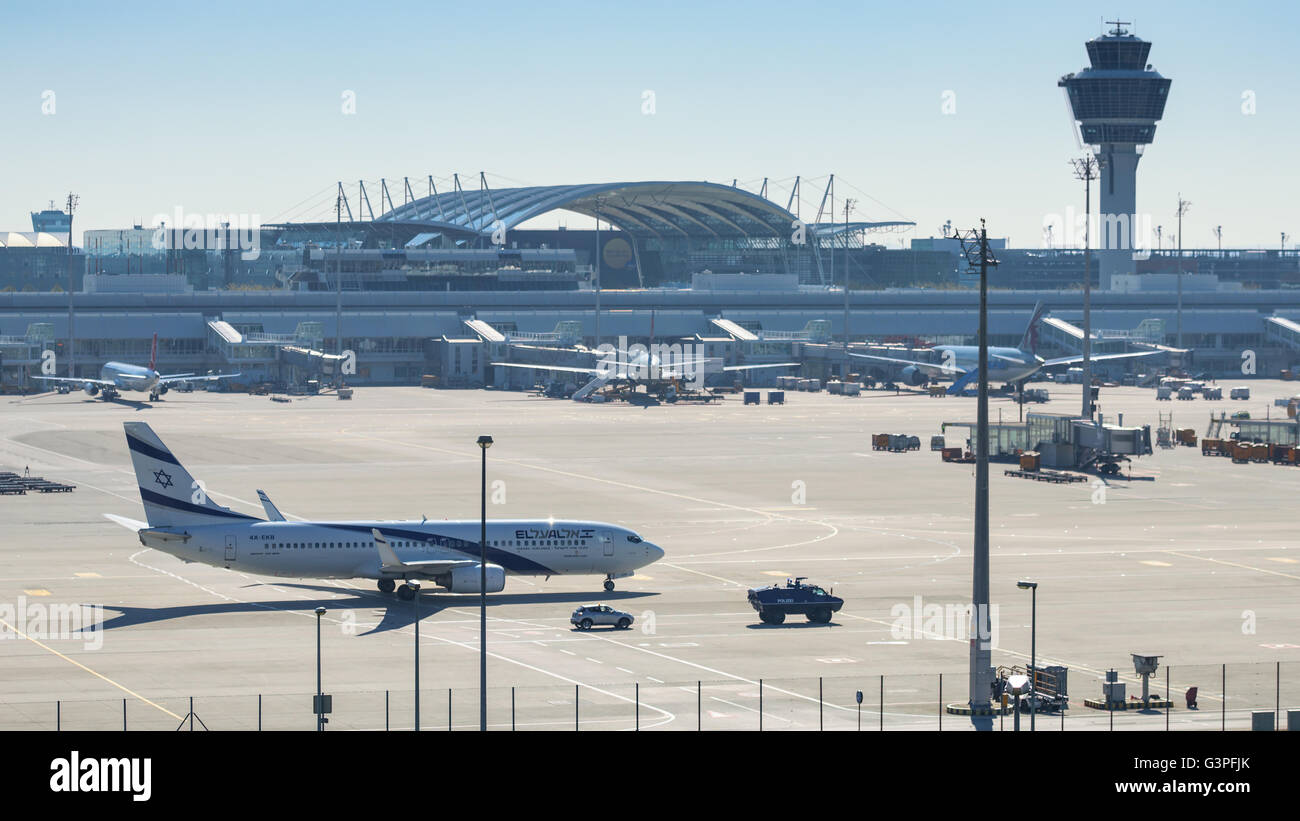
(397, 613)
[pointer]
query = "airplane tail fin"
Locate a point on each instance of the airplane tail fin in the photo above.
(1029, 342)
(171, 496)
(153, 352)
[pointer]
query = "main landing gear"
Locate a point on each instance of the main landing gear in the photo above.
(609, 584)
(404, 592)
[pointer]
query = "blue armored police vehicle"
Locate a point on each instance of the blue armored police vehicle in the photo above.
(794, 598)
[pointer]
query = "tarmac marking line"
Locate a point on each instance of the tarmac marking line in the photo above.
(1235, 564)
(97, 675)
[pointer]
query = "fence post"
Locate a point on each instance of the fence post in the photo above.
(385, 710)
(1277, 698)
(191, 716)
(1223, 705)
(699, 707)
(449, 709)
(259, 713)
(58, 715)
(638, 706)
(124, 715)
(575, 708)
(882, 704)
(512, 708)
(1169, 698)
(941, 702)
(821, 720)
(760, 705)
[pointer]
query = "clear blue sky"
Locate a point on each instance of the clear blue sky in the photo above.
(236, 108)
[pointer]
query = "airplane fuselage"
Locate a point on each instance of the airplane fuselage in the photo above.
(129, 377)
(346, 549)
(1003, 366)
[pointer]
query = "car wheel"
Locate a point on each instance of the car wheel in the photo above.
(585, 624)
(624, 623)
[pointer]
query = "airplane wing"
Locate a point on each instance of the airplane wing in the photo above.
(424, 567)
(1074, 360)
(189, 377)
(560, 368)
(756, 367)
(929, 368)
(1006, 358)
(273, 513)
(74, 381)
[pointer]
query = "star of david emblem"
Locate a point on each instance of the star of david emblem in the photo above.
(162, 478)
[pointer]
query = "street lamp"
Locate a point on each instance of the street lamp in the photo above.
(414, 584)
(484, 442)
(1087, 169)
(1033, 648)
(320, 699)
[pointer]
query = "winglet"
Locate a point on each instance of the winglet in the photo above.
(387, 557)
(273, 513)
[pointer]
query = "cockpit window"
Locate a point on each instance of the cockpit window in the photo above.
(633, 538)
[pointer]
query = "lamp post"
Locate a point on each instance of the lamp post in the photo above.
(320, 700)
(484, 442)
(414, 584)
(1033, 647)
(1183, 205)
(849, 204)
(1087, 169)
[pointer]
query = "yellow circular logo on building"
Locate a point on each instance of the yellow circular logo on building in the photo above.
(617, 253)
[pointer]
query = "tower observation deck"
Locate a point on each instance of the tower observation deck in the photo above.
(1117, 101)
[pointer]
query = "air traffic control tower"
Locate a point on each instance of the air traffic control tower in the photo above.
(1117, 101)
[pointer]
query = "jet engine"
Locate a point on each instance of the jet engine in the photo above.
(466, 579)
(91, 388)
(913, 375)
(161, 389)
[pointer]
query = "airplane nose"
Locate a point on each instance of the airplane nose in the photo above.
(655, 552)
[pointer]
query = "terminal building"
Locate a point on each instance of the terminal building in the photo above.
(439, 285)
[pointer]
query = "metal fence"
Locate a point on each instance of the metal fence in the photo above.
(1228, 696)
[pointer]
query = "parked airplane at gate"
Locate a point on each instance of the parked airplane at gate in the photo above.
(115, 377)
(633, 367)
(1007, 365)
(185, 522)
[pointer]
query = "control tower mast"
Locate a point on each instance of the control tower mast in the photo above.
(1117, 101)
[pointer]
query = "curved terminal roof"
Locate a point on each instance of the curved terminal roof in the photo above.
(644, 209)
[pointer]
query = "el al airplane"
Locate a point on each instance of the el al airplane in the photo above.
(115, 377)
(1008, 365)
(185, 522)
(633, 367)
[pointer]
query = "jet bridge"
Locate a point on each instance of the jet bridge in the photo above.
(1283, 331)
(733, 330)
(485, 331)
(1061, 334)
